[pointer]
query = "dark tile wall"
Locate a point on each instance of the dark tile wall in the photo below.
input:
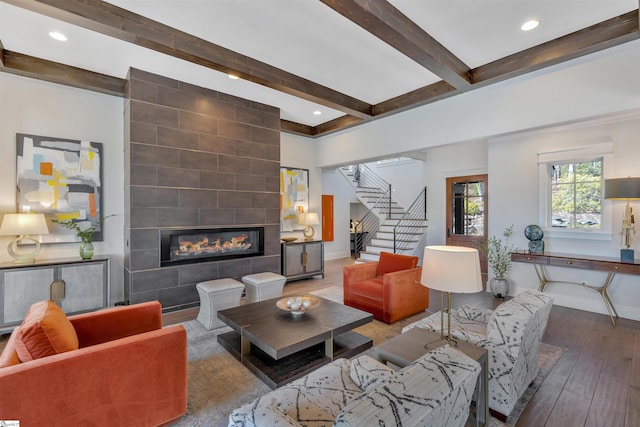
(194, 158)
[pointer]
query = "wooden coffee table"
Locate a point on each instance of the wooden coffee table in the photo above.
(279, 347)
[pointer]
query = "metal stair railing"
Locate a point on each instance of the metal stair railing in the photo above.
(367, 180)
(369, 225)
(413, 220)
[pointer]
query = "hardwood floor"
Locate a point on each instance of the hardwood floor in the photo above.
(596, 382)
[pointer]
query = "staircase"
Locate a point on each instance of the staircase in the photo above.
(387, 226)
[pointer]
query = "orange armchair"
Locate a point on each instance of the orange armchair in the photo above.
(389, 289)
(128, 370)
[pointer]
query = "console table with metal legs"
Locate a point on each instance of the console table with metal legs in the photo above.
(584, 262)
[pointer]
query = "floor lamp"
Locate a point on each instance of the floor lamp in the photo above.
(450, 269)
(624, 189)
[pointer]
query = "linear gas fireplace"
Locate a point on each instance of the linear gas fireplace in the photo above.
(180, 246)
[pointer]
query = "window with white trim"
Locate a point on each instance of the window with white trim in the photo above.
(571, 188)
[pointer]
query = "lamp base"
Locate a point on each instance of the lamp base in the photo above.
(23, 258)
(627, 255)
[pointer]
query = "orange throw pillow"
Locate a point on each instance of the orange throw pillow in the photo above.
(45, 331)
(390, 262)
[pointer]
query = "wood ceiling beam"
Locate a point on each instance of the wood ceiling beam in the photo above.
(116, 22)
(29, 66)
(604, 35)
(384, 21)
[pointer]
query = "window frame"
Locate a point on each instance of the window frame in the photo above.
(581, 154)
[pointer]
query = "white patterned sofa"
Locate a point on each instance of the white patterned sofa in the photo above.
(511, 334)
(435, 390)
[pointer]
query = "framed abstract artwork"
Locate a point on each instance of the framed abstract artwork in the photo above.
(294, 196)
(61, 178)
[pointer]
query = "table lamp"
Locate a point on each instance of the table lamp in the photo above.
(450, 269)
(308, 219)
(624, 189)
(23, 225)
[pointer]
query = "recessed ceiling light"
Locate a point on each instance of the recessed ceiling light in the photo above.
(58, 36)
(530, 25)
(233, 77)
(317, 112)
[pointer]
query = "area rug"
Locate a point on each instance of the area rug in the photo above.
(332, 293)
(218, 383)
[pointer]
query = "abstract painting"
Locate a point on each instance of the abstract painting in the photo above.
(294, 196)
(61, 178)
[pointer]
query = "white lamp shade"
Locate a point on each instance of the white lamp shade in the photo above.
(23, 224)
(451, 269)
(309, 218)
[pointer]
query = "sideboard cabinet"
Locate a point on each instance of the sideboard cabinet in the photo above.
(302, 259)
(77, 286)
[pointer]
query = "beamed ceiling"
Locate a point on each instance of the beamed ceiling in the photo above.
(352, 60)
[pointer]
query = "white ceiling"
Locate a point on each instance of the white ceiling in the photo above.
(308, 39)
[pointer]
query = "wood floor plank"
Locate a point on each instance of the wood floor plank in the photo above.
(543, 401)
(570, 411)
(609, 403)
(632, 418)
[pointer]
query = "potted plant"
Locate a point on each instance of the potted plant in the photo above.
(498, 253)
(86, 235)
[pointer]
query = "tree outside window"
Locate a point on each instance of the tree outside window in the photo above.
(576, 194)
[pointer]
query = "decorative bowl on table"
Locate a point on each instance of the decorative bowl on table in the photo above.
(288, 239)
(297, 306)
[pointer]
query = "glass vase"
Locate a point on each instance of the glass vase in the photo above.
(499, 287)
(86, 250)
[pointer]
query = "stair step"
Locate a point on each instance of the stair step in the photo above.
(382, 241)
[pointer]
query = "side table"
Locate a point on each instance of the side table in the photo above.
(405, 348)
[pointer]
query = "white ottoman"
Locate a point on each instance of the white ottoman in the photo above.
(262, 286)
(217, 295)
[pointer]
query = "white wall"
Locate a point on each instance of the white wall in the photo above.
(514, 199)
(40, 108)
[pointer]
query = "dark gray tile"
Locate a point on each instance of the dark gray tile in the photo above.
(233, 164)
(144, 238)
(176, 98)
(198, 122)
(273, 121)
(143, 217)
(250, 116)
(153, 197)
(272, 152)
(140, 297)
(255, 150)
(199, 160)
(217, 144)
(216, 180)
(143, 175)
(199, 198)
(250, 216)
(265, 200)
(234, 199)
(136, 74)
(145, 259)
(273, 216)
(250, 182)
(214, 108)
(143, 91)
(177, 217)
(273, 184)
(264, 135)
(265, 263)
(234, 130)
(154, 114)
(265, 168)
(268, 109)
(214, 217)
(152, 155)
(176, 177)
(233, 100)
(178, 296)
(234, 269)
(143, 133)
(196, 273)
(178, 138)
(149, 280)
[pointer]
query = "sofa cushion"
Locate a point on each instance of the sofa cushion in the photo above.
(435, 390)
(367, 372)
(9, 356)
(45, 331)
(370, 288)
(389, 263)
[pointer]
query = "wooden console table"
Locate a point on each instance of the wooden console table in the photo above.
(584, 262)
